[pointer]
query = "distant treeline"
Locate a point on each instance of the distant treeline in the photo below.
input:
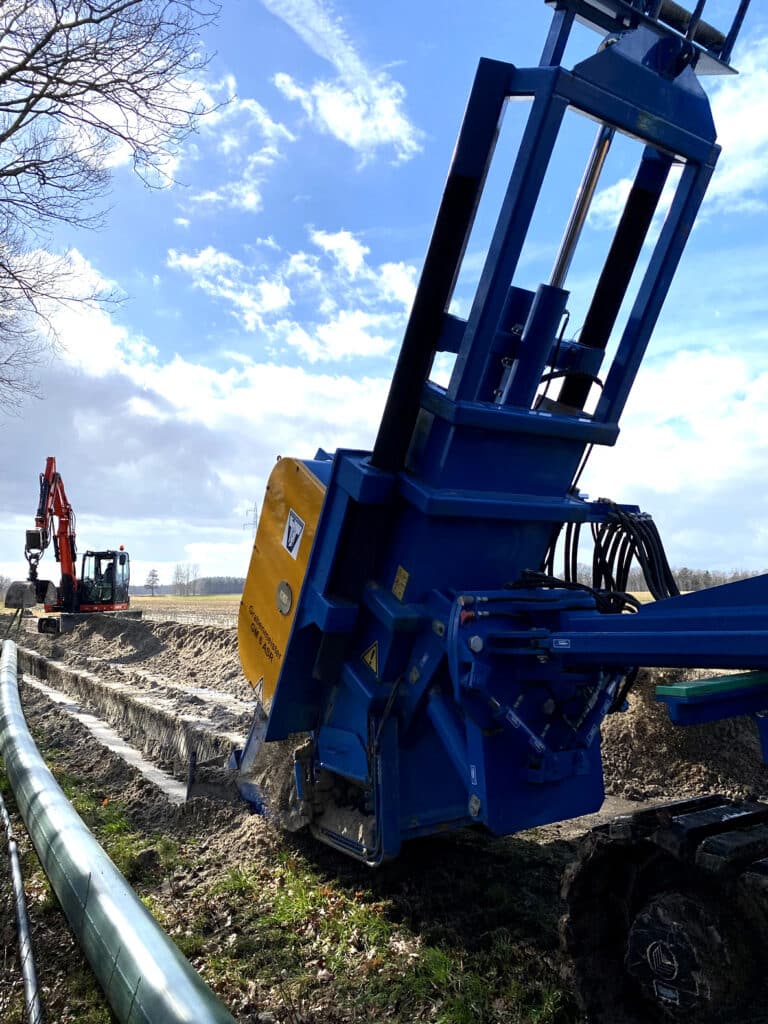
(200, 586)
(686, 579)
(220, 585)
(698, 579)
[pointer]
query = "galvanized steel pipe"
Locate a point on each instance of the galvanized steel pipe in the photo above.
(144, 976)
(32, 1006)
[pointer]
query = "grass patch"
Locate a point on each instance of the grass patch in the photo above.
(83, 998)
(308, 931)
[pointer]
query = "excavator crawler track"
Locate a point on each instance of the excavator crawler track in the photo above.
(667, 915)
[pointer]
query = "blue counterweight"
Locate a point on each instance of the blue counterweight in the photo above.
(444, 676)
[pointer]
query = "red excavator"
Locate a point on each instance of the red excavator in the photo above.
(104, 577)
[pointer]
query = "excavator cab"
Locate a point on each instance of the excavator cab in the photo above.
(104, 579)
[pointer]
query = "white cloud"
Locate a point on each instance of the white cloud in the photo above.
(273, 295)
(364, 117)
(139, 406)
(695, 422)
(341, 306)
(608, 204)
(306, 265)
(225, 277)
(348, 252)
(398, 282)
(272, 131)
(351, 333)
(738, 108)
(362, 108)
(205, 263)
(288, 407)
(249, 139)
(82, 287)
(249, 398)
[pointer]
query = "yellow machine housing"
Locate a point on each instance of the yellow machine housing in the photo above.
(284, 538)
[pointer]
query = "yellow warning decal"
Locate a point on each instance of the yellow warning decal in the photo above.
(401, 582)
(371, 657)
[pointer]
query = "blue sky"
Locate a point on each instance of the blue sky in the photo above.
(265, 294)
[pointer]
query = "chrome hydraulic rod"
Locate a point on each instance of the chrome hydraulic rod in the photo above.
(143, 975)
(582, 204)
(32, 1005)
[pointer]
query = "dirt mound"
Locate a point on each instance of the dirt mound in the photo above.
(206, 655)
(200, 656)
(115, 638)
(646, 756)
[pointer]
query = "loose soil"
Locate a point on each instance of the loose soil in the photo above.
(459, 928)
(188, 655)
(646, 757)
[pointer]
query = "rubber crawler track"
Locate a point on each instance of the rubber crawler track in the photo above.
(667, 915)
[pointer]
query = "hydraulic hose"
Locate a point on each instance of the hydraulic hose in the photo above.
(32, 1005)
(144, 977)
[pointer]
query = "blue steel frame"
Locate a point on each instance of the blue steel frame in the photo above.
(435, 695)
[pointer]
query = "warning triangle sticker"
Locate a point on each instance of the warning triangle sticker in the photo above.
(371, 657)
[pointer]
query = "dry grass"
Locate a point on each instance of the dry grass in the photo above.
(216, 610)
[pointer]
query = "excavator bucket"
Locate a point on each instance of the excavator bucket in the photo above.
(28, 593)
(21, 594)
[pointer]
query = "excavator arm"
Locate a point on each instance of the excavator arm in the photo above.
(54, 521)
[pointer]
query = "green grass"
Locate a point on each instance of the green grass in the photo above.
(286, 924)
(381, 971)
(83, 998)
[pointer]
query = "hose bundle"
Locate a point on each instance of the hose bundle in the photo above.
(624, 536)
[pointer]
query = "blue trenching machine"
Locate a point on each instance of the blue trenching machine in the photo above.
(405, 619)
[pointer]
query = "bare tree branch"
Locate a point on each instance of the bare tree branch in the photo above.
(84, 84)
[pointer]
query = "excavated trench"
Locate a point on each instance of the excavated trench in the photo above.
(166, 721)
(173, 789)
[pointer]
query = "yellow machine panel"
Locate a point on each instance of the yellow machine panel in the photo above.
(284, 539)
